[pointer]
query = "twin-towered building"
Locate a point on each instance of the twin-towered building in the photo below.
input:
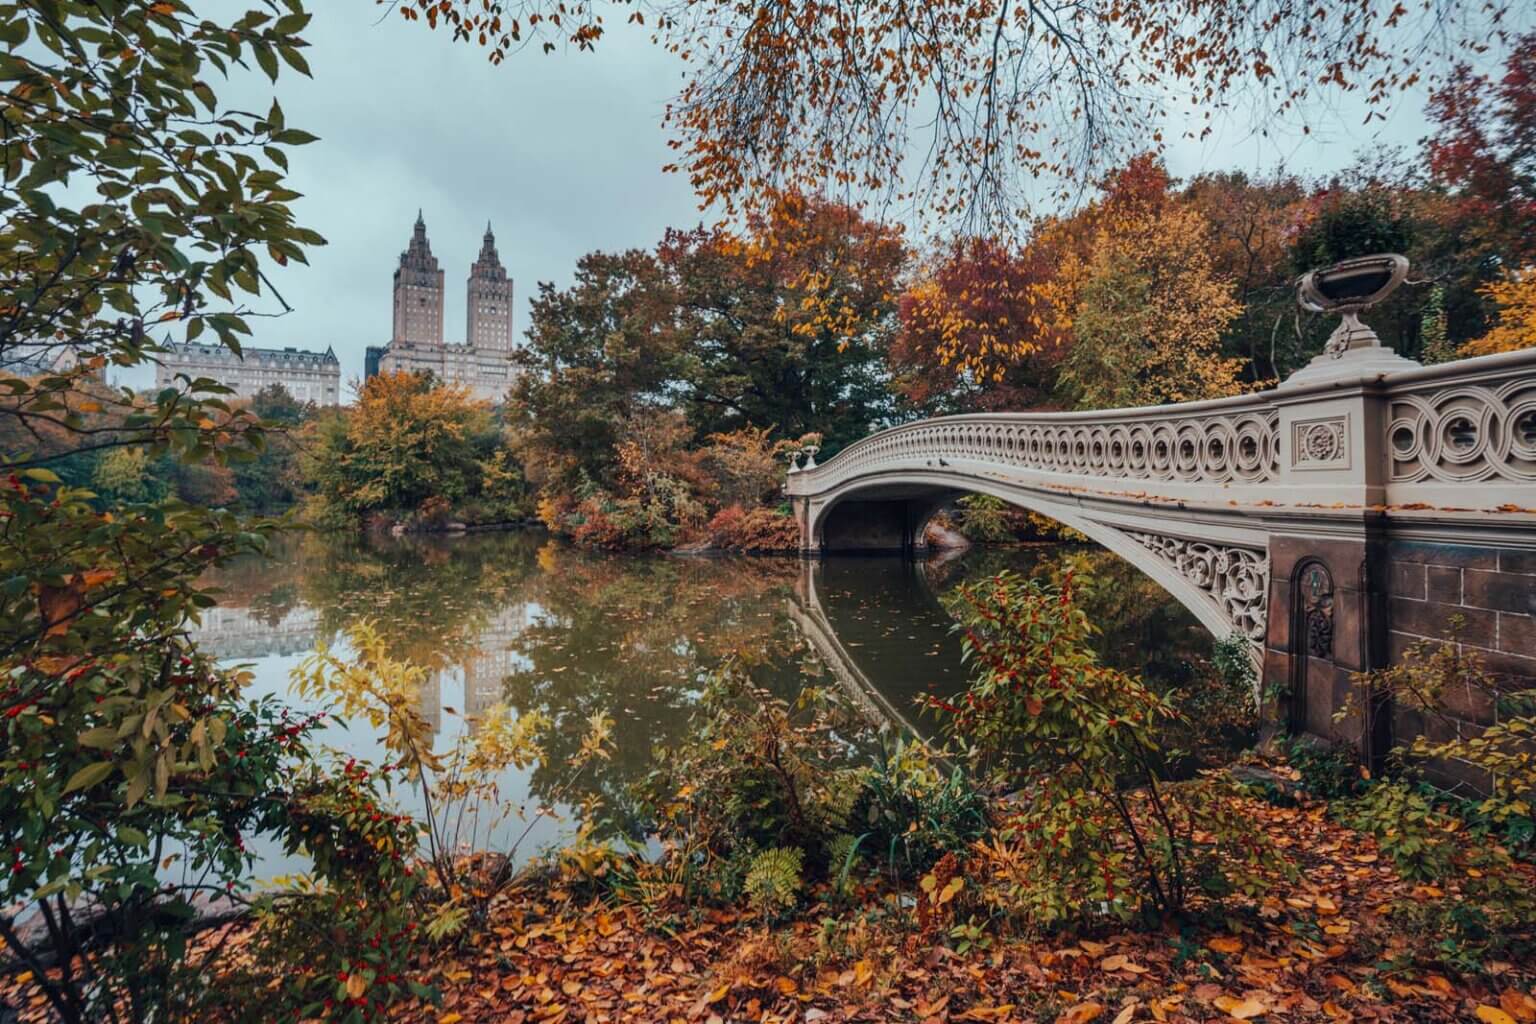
(483, 362)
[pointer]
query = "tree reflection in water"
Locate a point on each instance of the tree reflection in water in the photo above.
(565, 632)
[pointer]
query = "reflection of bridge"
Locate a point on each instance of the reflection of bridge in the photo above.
(809, 615)
(1330, 521)
(846, 610)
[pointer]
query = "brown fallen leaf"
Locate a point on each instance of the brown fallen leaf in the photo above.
(1493, 1015)
(1518, 1005)
(1082, 1013)
(1242, 1009)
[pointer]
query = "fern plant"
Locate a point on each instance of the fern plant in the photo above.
(773, 881)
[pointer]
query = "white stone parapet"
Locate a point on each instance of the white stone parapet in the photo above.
(1404, 443)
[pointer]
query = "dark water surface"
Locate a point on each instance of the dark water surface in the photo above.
(519, 618)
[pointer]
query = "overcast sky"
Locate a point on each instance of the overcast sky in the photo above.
(561, 152)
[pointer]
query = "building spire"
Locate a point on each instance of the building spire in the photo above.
(488, 263)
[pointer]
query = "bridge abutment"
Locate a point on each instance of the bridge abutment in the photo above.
(1327, 623)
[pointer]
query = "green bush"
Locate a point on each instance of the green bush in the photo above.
(754, 773)
(911, 812)
(1328, 771)
(1474, 904)
(1233, 663)
(986, 519)
(1406, 825)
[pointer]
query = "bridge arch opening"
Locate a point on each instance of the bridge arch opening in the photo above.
(872, 517)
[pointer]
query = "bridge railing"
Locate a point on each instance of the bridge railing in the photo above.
(1214, 442)
(1439, 429)
(1456, 425)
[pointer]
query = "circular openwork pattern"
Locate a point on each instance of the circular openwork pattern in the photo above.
(1239, 447)
(1465, 433)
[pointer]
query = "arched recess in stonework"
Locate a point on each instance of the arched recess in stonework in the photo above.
(1311, 698)
(1224, 586)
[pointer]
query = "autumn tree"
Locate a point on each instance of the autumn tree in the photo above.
(1252, 221)
(1515, 328)
(599, 354)
(793, 96)
(978, 331)
(1484, 149)
(783, 327)
(1149, 315)
(787, 324)
(408, 439)
(1475, 208)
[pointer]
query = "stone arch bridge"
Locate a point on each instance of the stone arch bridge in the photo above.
(1330, 521)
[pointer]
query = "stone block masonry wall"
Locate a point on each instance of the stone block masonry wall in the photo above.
(1493, 591)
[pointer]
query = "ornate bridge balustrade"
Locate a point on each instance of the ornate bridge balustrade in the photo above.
(1330, 521)
(1231, 440)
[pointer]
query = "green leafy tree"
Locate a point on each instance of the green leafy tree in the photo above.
(266, 484)
(122, 475)
(133, 769)
(787, 326)
(595, 361)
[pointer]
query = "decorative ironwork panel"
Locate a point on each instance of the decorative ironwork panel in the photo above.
(1236, 579)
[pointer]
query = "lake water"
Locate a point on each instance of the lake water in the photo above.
(520, 618)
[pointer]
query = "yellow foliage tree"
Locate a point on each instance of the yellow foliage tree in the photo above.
(1516, 329)
(1149, 311)
(408, 440)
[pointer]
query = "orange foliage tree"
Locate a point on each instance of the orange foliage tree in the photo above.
(978, 330)
(1515, 297)
(807, 96)
(408, 441)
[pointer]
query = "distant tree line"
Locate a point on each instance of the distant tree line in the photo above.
(660, 395)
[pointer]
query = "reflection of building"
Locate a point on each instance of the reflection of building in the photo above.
(307, 376)
(416, 344)
(231, 633)
(494, 660)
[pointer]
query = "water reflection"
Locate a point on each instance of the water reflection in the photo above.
(545, 627)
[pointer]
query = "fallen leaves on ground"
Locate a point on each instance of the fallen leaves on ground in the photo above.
(1308, 951)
